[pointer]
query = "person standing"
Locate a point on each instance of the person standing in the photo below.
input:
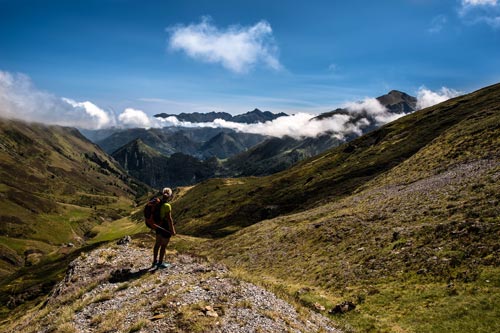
(165, 230)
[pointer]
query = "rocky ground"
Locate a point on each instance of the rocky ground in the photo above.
(115, 289)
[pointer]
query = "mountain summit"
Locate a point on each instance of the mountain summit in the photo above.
(398, 102)
(395, 102)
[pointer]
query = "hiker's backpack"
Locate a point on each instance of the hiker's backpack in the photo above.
(152, 213)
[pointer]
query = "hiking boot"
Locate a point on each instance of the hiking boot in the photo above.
(163, 265)
(155, 263)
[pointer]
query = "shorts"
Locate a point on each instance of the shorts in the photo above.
(163, 233)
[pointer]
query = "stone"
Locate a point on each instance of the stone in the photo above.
(125, 240)
(210, 312)
(343, 307)
(319, 307)
(158, 317)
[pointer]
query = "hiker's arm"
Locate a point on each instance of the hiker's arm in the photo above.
(170, 222)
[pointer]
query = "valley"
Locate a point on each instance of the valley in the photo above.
(394, 231)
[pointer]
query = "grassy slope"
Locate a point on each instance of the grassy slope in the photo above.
(55, 186)
(219, 207)
(416, 246)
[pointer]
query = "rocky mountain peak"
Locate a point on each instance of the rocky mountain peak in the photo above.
(398, 102)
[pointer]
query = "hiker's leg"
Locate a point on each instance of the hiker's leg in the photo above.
(163, 247)
(156, 248)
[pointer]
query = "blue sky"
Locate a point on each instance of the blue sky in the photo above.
(233, 56)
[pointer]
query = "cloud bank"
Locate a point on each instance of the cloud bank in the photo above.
(352, 120)
(20, 99)
(235, 48)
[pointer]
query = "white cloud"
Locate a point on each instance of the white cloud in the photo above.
(20, 99)
(101, 118)
(480, 11)
(236, 48)
(136, 118)
(371, 105)
(427, 98)
(297, 125)
(356, 117)
(479, 2)
(371, 108)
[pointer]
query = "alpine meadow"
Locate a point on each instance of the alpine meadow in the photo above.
(227, 166)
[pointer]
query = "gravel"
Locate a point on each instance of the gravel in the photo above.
(114, 289)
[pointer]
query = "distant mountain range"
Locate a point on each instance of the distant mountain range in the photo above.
(238, 154)
(277, 154)
(251, 117)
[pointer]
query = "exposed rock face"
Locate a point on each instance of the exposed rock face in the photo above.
(398, 102)
(115, 288)
(251, 117)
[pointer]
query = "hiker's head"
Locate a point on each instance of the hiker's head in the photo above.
(167, 193)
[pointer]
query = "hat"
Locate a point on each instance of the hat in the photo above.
(167, 191)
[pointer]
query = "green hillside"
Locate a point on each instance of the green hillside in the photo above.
(403, 222)
(55, 187)
(218, 207)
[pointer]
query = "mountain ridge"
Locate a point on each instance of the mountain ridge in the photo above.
(53, 177)
(250, 117)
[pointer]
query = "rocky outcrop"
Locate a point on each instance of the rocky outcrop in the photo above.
(114, 288)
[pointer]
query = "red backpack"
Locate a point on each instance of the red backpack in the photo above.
(152, 213)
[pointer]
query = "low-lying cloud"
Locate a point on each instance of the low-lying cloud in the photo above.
(20, 99)
(135, 118)
(297, 125)
(353, 118)
(236, 48)
(426, 97)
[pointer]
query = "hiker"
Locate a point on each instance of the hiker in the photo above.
(165, 231)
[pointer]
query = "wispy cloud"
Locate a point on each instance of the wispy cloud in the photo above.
(237, 48)
(427, 98)
(480, 11)
(479, 2)
(437, 24)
